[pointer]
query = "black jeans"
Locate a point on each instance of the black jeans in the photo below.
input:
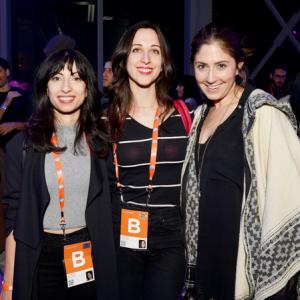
(152, 274)
(51, 276)
(157, 273)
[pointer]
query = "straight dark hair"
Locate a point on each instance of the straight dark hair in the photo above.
(120, 91)
(42, 122)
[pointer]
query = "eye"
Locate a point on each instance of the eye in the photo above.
(56, 78)
(156, 51)
(222, 66)
(135, 50)
(199, 66)
(76, 78)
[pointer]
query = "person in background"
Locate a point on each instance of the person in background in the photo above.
(58, 221)
(294, 99)
(240, 182)
(107, 75)
(13, 106)
(14, 113)
(278, 81)
(148, 152)
(107, 80)
(188, 91)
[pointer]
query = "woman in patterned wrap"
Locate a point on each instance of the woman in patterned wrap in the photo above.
(240, 181)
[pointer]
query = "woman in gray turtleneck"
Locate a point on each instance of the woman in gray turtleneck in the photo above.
(58, 221)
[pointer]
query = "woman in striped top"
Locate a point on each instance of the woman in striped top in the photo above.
(149, 149)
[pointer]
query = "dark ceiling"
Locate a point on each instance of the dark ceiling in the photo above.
(34, 22)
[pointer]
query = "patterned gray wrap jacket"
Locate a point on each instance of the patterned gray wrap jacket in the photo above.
(269, 241)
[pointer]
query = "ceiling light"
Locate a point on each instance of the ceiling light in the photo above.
(108, 18)
(82, 2)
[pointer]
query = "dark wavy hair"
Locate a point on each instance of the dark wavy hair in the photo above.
(230, 42)
(120, 91)
(42, 122)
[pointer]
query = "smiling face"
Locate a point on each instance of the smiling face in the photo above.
(215, 72)
(67, 92)
(144, 62)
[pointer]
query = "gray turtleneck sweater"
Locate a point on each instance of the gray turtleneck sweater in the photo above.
(76, 170)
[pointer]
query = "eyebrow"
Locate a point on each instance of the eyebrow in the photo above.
(60, 73)
(218, 62)
(153, 45)
(222, 61)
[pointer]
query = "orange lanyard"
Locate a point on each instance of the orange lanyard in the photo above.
(60, 182)
(153, 156)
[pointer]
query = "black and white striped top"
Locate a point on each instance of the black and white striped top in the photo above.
(133, 158)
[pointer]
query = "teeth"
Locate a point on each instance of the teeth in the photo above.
(145, 69)
(66, 98)
(213, 87)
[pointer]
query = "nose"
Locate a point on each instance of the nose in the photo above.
(211, 75)
(66, 85)
(145, 57)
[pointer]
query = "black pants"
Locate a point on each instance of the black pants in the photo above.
(154, 274)
(157, 273)
(51, 276)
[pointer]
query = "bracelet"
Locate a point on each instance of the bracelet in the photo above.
(3, 106)
(6, 287)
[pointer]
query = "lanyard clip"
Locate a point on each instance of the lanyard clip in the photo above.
(63, 228)
(120, 189)
(149, 189)
(121, 195)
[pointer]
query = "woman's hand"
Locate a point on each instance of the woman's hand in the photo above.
(6, 295)
(188, 294)
(11, 96)
(10, 250)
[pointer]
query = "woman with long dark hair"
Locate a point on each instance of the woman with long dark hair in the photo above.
(241, 181)
(58, 221)
(149, 148)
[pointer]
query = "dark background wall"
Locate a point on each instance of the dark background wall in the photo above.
(34, 22)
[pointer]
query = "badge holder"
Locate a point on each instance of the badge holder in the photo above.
(134, 229)
(134, 223)
(78, 263)
(77, 257)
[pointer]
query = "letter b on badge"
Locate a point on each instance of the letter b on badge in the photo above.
(134, 225)
(78, 259)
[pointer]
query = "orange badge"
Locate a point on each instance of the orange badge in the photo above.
(78, 263)
(134, 229)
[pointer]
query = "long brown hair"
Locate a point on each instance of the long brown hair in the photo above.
(120, 91)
